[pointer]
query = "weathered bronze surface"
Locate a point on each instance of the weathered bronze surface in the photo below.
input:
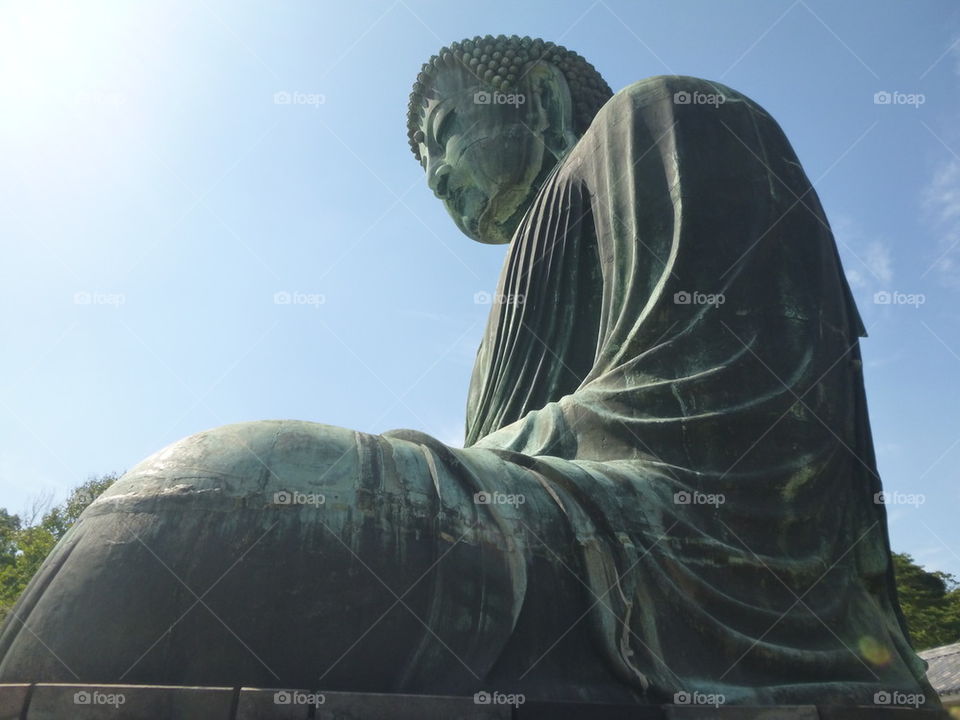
(668, 485)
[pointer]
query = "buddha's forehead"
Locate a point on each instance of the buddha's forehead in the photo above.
(455, 80)
(451, 88)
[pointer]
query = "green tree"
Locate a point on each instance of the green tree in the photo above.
(9, 527)
(930, 603)
(60, 518)
(25, 544)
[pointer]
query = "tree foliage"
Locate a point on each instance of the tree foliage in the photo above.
(930, 602)
(25, 543)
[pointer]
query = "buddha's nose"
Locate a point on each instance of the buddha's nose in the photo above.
(438, 178)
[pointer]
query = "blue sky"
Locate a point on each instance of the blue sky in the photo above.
(156, 199)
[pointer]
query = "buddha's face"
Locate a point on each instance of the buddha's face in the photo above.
(482, 159)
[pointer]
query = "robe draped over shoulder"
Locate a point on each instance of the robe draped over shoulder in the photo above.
(676, 339)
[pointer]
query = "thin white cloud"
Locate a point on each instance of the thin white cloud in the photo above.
(941, 203)
(942, 196)
(867, 262)
(856, 279)
(877, 259)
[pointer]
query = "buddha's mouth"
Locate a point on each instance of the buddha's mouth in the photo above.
(502, 215)
(472, 226)
(469, 211)
(479, 217)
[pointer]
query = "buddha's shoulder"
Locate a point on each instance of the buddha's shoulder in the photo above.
(680, 89)
(685, 96)
(666, 99)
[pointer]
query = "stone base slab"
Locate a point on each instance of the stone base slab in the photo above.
(55, 701)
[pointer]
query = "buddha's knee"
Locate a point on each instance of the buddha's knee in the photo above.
(249, 552)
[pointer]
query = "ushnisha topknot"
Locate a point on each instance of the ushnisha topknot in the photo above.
(499, 63)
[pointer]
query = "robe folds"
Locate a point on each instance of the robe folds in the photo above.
(668, 483)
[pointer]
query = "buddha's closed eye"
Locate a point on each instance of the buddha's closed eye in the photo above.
(444, 127)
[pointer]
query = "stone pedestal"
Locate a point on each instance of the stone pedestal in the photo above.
(53, 701)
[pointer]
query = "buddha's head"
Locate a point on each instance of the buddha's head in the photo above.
(489, 118)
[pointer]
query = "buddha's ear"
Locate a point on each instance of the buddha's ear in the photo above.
(551, 106)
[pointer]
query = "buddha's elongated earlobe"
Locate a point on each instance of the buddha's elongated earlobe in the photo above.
(553, 108)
